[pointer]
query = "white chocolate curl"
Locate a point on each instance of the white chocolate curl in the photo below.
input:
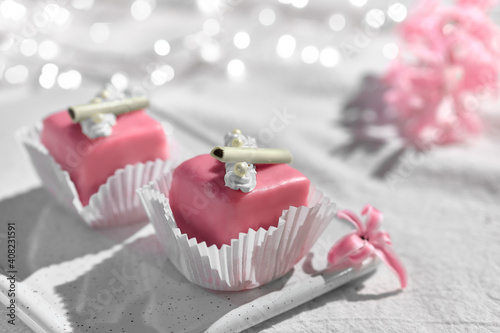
(79, 113)
(97, 124)
(248, 182)
(252, 155)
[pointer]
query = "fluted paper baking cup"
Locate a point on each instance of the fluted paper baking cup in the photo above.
(254, 259)
(115, 203)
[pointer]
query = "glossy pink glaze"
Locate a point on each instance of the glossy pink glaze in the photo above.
(204, 208)
(136, 138)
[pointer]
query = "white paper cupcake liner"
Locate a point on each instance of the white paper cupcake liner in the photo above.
(254, 259)
(115, 203)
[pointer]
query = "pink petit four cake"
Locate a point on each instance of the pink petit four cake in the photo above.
(236, 218)
(205, 208)
(93, 157)
(136, 138)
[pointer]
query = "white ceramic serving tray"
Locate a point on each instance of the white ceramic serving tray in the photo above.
(75, 279)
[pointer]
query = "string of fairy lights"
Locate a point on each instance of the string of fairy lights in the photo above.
(37, 57)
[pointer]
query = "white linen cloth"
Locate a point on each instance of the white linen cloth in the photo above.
(443, 214)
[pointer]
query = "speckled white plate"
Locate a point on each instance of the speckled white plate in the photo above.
(75, 279)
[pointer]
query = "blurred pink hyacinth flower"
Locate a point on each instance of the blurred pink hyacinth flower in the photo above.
(367, 241)
(449, 68)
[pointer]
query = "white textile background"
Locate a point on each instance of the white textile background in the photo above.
(441, 208)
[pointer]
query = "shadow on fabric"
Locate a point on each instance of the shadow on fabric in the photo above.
(48, 234)
(371, 125)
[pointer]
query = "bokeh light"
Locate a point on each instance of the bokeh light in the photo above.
(358, 3)
(205, 6)
(162, 47)
(56, 13)
(299, 3)
(71, 79)
(48, 77)
(210, 51)
(12, 10)
(28, 47)
(162, 75)
(241, 40)
(62, 16)
(17, 74)
(310, 54)
(48, 50)
(267, 16)
(99, 32)
(337, 22)
(236, 68)
(329, 57)
(375, 18)
(140, 10)
(120, 81)
(211, 27)
(397, 12)
(286, 46)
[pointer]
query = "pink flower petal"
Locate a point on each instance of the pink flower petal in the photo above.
(380, 239)
(355, 247)
(362, 254)
(344, 247)
(389, 257)
(353, 218)
(374, 219)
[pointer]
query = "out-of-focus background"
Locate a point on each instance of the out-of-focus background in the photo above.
(298, 74)
(183, 54)
(236, 58)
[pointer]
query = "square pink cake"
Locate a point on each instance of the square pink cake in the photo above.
(136, 138)
(203, 207)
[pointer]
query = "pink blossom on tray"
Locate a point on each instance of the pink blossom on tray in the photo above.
(367, 241)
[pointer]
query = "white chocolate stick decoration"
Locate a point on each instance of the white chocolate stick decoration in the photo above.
(85, 111)
(252, 155)
(240, 154)
(98, 118)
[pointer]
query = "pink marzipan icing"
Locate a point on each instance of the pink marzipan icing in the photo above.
(136, 138)
(204, 208)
